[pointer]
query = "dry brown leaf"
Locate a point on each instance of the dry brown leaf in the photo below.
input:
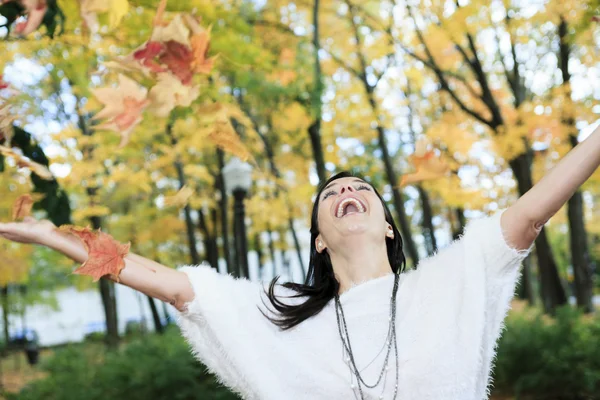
(22, 207)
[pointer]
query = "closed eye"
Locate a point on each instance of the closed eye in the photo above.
(326, 195)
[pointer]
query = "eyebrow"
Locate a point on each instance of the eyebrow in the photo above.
(335, 183)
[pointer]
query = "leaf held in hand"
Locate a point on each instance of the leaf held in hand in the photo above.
(105, 254)
(22, 207)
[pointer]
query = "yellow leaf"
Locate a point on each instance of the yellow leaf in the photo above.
(92, 211)
(180, 199)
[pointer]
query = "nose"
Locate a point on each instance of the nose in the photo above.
(344, 188)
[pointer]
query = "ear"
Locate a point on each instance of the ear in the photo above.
(320, 244)
(389, 232)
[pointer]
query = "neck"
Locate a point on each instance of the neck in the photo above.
(356, 263)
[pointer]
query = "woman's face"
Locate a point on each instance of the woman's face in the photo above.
(349, 208)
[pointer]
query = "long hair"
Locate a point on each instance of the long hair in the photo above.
(321, 285)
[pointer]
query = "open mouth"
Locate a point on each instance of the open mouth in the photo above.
(349, 206)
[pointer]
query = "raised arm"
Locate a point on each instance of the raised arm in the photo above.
(142, 274)
(522, 222)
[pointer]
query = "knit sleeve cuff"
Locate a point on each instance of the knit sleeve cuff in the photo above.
(497, 252)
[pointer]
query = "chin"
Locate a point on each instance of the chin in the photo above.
(356, 228)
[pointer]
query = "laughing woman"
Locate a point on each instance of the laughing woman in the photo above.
(360, 326)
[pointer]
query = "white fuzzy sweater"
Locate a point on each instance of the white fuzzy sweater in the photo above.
(450, 313)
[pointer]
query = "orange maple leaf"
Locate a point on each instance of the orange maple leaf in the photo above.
(200, 45)
(22, 207)
(428, 166)
(105, 254)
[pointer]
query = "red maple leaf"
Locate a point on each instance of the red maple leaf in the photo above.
(148, 54)
(178, 58)
(105, 254)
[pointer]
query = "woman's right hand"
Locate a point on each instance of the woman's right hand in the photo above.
(28, 231)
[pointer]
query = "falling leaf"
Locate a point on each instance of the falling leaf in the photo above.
(6, 124)
(169, 93)
(23, 162)
(123, 107)
(171, 49)
(175, 30)
(89, 10)
(105, 254)
(180, 199)
(160, 12)
(3, 84)
(225, 137)
(35, 10)
(200, 45)
(428, 166)
(146, 56)
(178, 59)
(22, 207)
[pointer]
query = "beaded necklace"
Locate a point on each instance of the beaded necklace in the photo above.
(391, 336)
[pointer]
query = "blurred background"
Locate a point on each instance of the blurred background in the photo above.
(199, 131)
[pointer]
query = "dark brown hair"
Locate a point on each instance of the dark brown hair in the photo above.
(320, 285)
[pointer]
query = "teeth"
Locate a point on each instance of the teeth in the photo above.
(340, 210)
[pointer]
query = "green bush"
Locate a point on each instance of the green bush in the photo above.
(538, 359)
(153, 367)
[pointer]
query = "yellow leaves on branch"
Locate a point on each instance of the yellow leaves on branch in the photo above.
(24, 162)
(285, 74)
(92, 211)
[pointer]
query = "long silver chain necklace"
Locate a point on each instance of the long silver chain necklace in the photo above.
(391, 337)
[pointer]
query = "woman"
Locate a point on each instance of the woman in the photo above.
(360, 327)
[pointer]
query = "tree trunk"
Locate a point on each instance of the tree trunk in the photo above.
(427, 221)
(210, 243)
(314, 130)
(552, 291)
(5, 319)
(223, 203)
(259, 254)
(580, 254)
(525, 287)
(189, 224)
(109, 299)
(158, 326)
(272, 249)
(297, 247)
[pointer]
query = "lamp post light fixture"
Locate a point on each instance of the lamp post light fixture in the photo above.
(238, 179)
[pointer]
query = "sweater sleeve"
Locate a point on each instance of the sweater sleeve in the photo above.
(486, 245)
(221, 324)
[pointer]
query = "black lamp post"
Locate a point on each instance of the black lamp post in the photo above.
(238, 178)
